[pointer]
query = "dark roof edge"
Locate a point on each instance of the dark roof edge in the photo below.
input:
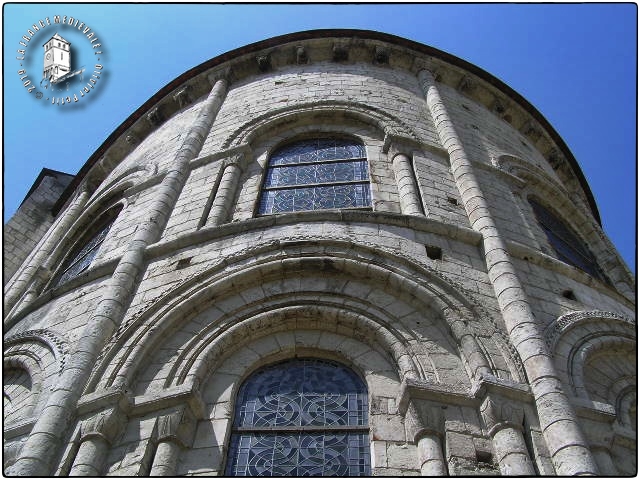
(310, 34)
(46, 172)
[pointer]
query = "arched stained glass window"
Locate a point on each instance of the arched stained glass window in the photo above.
(80, 259)
(568, 246)
(314, 175)
(302, 417)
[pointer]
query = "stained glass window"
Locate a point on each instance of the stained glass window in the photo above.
(316, 174)
(80, 260)
(302, 417)
(567, 245)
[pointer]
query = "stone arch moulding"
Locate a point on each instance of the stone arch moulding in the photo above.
(573, 337)
(264, 125)
(41, 353)
(143, 332)
(376, 372)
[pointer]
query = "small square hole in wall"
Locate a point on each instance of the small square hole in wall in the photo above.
(185, 262)
(433, 252)
(484, 457)
(452, 201)
(569, 295)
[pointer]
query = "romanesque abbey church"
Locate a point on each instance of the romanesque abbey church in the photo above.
(332, 252)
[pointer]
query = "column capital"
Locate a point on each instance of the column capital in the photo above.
(105, 424)
(395, 144)
(178, 425)
(423, 418)
(498, 412)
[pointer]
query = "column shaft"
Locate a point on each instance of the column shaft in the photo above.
(511, 452)
(432, 463)
(223, 202)
(41, 447)
(90, 457)
(165, 459)
(567, 445)
(43, 252)
(410, 202)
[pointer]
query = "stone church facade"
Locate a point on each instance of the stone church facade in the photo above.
(330, 252)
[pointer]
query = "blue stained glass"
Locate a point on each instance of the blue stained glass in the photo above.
(301, 393)
(319, 150)
(316, 174)
(81, 260)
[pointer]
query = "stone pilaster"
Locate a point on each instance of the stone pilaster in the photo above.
(566, 442)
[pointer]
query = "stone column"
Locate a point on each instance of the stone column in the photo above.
(503, 419)
(175, 432)
(424, 424)
(41, 448)
(97, 433)
(43, 251)
(410, 202)
(41, 276)
(226, 193)
(565, 440)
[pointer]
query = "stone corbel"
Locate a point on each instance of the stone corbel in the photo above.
(155, 117)
(340, 52)
(301, 55)
(264, 62)
(381, 55)
(132, 139)
(182, 97)
(530, 130)
(466, 84)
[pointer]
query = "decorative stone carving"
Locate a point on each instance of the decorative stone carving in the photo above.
(564, 322)
(498, 412)
(466, 84)
(106, 424)
(178, 426)
(530, 130)
(498, 106)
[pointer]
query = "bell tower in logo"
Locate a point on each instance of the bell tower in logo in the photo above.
(57, 58)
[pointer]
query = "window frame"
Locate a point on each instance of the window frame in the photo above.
(341, 141)
(237, 430)
(561, 237)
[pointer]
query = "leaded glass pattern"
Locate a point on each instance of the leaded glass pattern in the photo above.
(80, 261)
(314, 175)
(569, 248)
(303, 417)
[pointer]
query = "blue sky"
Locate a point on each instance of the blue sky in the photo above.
(576, 63)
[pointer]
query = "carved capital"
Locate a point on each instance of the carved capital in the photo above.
(178, 426)
(106, 424)
(423, 418)
(498, 412)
